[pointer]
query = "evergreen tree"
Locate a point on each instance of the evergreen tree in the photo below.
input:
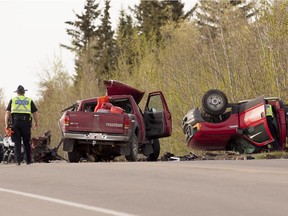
(93, 44)
(152, 15)
(172, 10)
(106, 44)
(125, 26)
(125, 32)
(84, 33)
(83, 28)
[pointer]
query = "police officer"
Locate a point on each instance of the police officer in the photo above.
(273, 131)
(21, 109)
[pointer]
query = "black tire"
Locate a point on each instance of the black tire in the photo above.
(214, 102)
(2, 151)
(156, 151)
(74, 156)
(133, 156)
(11, 157)
(5, 156)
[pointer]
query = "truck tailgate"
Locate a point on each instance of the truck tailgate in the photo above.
(96, 122)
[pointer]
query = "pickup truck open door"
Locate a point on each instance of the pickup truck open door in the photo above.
(253, 122)
(158, 121)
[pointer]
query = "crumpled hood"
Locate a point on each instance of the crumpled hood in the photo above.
(114, 87)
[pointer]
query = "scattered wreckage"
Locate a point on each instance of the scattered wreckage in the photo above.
(109, 126)
(40, 149)
(241, 127)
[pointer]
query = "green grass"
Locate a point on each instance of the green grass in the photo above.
(272, 155)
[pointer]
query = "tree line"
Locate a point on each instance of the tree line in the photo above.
(237, 46)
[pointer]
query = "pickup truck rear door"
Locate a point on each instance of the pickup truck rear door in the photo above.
(158, 121)
(252, 120)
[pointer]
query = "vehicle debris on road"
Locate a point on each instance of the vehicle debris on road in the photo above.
(41, 150)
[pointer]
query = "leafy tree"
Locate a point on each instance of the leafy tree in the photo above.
(272, 34)
(208, 14)
(56, 93)
(2, 111)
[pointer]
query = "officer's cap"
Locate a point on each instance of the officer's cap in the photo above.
(20, 89)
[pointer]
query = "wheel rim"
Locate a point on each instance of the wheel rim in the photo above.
(215, 102)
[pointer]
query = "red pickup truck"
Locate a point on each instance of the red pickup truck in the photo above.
(102, 128)
(241, 127)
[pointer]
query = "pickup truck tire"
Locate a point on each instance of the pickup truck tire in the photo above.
(74, 156)
(214, 102)
(156, 151)
(133, 145)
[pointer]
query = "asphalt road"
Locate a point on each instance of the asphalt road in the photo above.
(192, 188)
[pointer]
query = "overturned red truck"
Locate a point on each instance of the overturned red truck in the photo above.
(240, 127)
(102, 128)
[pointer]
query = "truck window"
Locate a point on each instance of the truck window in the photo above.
(89, 107)
(259, 134)
(124, 104)
(155, 104)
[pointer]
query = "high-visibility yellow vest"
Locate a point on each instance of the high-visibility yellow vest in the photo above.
(269, 111)
(21, 104)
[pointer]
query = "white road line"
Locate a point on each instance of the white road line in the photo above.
(67, 203)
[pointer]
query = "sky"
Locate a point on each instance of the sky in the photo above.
(30, 38)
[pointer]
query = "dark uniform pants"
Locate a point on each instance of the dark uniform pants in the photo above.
(273, 131)
(22, 131)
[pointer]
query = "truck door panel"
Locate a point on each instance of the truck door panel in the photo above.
(157, 117)
(154, 123)
(252, 120)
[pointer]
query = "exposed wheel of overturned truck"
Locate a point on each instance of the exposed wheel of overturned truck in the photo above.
(156, 151)
(214, 102)
(133, 145)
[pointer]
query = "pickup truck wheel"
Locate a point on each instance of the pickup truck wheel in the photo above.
(133, 149)
(156, 151)
(214, 102)
(74, 156)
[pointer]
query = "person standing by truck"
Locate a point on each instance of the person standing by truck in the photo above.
(21, 109)
(269, 117)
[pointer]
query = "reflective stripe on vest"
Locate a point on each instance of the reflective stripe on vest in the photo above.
(269, 111)
(21, 104)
